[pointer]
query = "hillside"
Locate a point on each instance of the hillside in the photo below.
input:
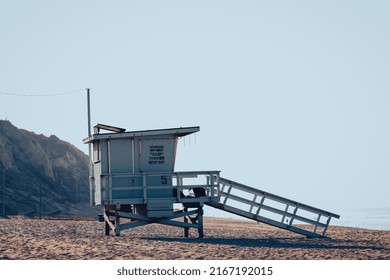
(40, 168)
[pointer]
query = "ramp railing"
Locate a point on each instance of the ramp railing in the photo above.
(272, 209)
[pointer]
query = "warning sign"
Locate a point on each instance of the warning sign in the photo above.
(156, 154)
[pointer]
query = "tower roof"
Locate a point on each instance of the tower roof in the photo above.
(175, 132)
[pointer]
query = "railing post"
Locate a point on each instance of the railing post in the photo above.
(254, 200)
(260, 204)
(215, 188)
(110, 187)
(285, 210)
(315, 226)
(144, 187)
(178, 189)
(227, 194)
(327, 224)
(293, 215)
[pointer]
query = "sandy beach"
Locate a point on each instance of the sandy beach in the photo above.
(64, 239)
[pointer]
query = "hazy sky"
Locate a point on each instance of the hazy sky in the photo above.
(292, 97)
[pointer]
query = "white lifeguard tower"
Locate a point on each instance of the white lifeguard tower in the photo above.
(133, 177)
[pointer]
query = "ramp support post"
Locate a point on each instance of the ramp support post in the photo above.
(196, 221)
(200, 222)
(117, 223)
(106, 223)
(186, 229)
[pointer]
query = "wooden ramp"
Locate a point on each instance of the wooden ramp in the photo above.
(272, 209)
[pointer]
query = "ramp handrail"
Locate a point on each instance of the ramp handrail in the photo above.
(272, 209)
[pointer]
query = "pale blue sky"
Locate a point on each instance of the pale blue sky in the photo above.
(292, 97)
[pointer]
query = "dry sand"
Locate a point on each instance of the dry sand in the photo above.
(23, 239)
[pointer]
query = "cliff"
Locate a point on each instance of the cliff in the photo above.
(42, 175)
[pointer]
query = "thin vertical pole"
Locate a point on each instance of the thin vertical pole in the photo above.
(89, 112)
(91, 178)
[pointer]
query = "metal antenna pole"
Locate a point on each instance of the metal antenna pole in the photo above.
(91, 179)
(89, 113)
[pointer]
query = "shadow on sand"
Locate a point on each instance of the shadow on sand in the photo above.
(303, 243)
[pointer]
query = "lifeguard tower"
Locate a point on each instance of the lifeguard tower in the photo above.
(133, 177)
